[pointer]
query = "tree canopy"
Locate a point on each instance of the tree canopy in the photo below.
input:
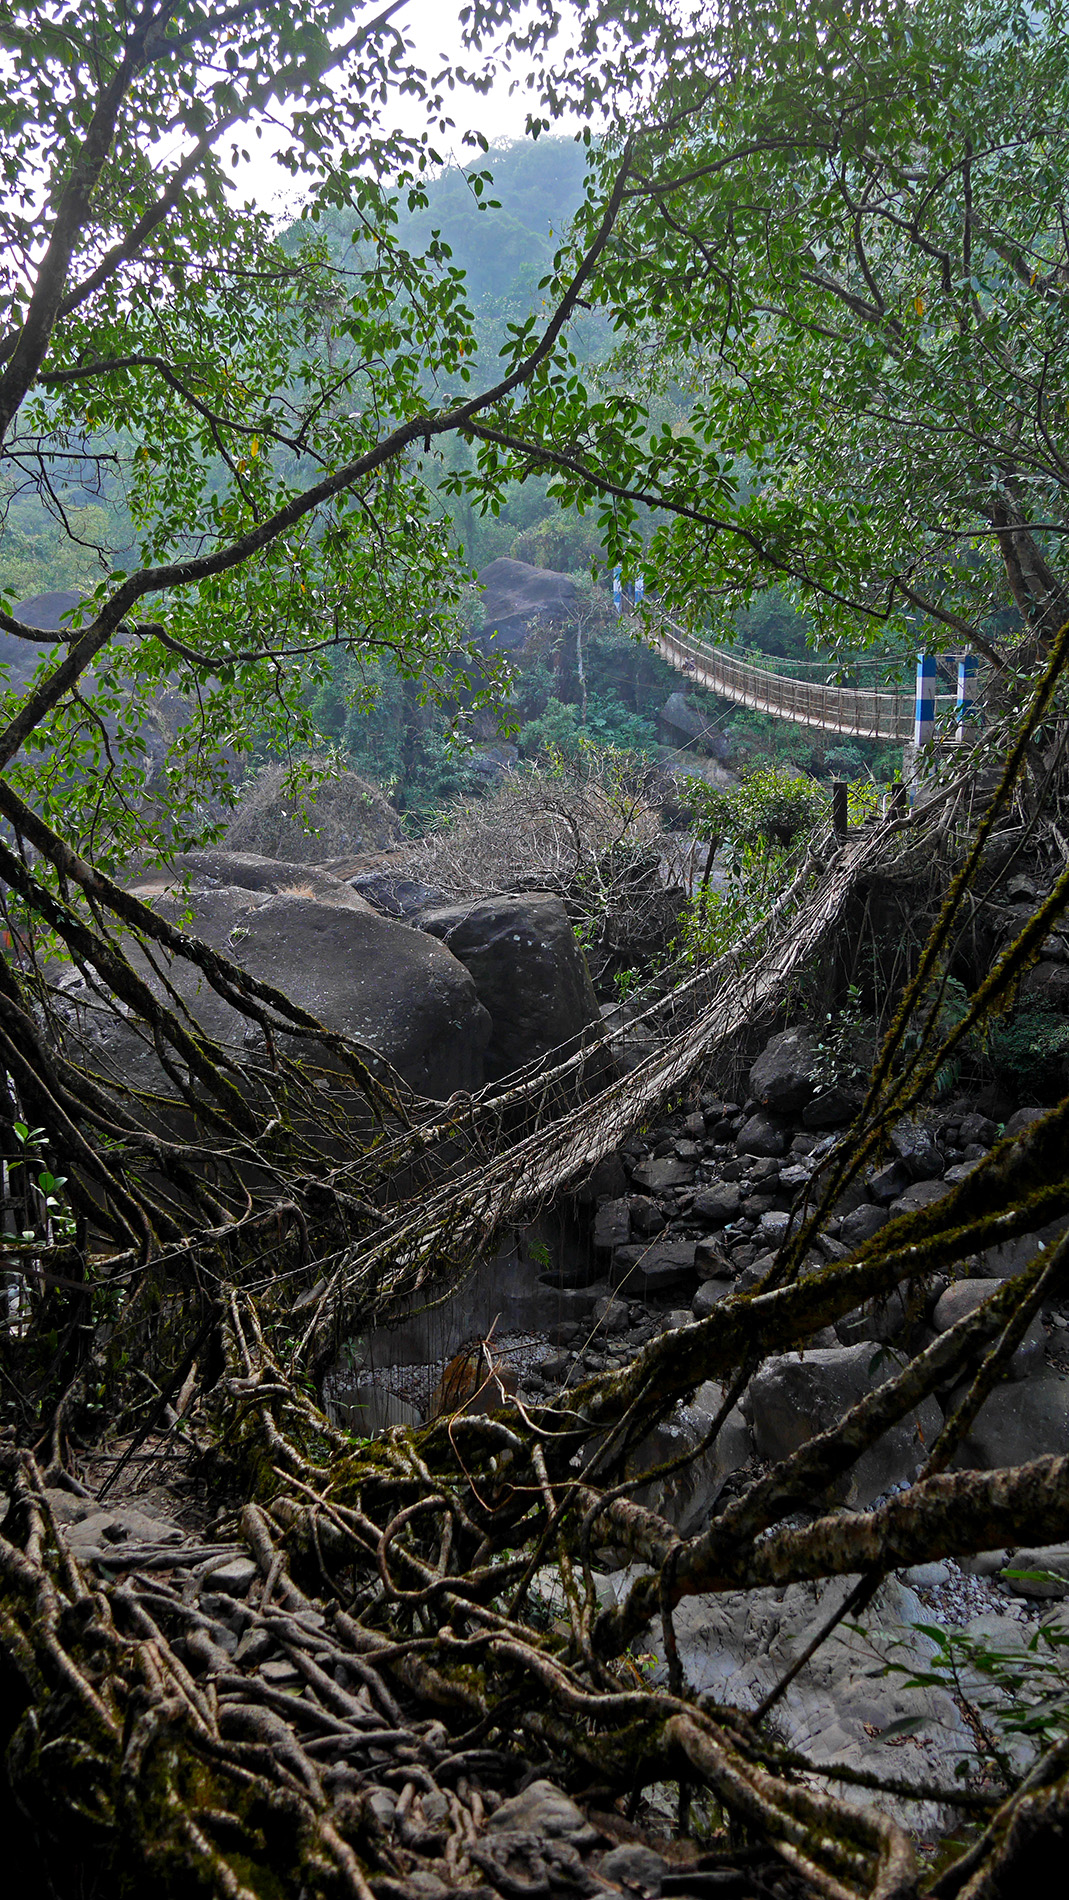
(852, 257)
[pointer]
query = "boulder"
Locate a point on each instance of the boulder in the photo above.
(832, 1107)
(916, 1147)
(887, 1183)
(1009, 1256)
(1017, 1423)
(611, 1316)
(646, 1217)
(654, 1268)
(861, 1224)
(665, 1171)
(718, 1204)
(515, 595)
(919, 1194)
(635, 1867)
(686, 1497)
(977, 1130)
(394, 895)
(1052, 1558)
(784, 1076)
(709, 1294)
(964, 1296)
(796, 1396)
(761, 1135)
(737, 1645)
(712, 1259)
(612, 1226)
(529, 974)
(881, 1320)
(607, 1181)
(543, 1809)
(772, 1227)
(396, 992)
(681, 723)
(490, 763)
(214, 870)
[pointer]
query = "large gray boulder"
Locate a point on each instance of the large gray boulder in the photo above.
(915, 1145)
(529, 974)
(681, 723)
(761, 1135)
(798, 1395)
(661, 1172)
(517, 595)
(685, 1497)
(718, 1204)
(653, 1267)
(213, 870)
(393, 894)
(735, 1647)
(397, 992)
(1017, 1423)
(1009, 1256)
(963, 1297)
(785, 1074)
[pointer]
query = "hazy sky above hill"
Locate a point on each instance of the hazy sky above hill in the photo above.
(434, 30)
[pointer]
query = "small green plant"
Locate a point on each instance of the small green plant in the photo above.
(771, 807)
(1031, 1038)
(756, 829)
(1010, 1695)
(844, 1047)
(863, 800)
(56, 1216)
(942, 1007)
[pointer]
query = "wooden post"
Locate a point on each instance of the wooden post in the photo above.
(838, 807)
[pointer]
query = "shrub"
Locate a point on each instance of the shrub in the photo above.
(1035, 1038)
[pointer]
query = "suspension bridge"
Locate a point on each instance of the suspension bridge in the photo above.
(873, 704)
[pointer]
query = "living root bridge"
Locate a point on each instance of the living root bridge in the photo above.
(462, 1221)
(402, 1584)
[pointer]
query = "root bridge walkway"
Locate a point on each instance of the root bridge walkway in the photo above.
(558, 1128)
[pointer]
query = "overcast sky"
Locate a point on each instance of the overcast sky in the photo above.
(433, 27)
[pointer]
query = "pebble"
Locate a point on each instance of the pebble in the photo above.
(925, 1576)
(233, 1578)
(280, 1674)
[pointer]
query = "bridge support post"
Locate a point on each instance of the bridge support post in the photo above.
(965, 709)
(838, 807)
(923, 724)
(924, 714)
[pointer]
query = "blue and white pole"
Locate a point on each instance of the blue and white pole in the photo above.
(924, 718)
(965, 709)
(640, 591)
(618, 589)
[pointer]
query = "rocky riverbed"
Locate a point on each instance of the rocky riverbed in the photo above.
(694, 1210)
